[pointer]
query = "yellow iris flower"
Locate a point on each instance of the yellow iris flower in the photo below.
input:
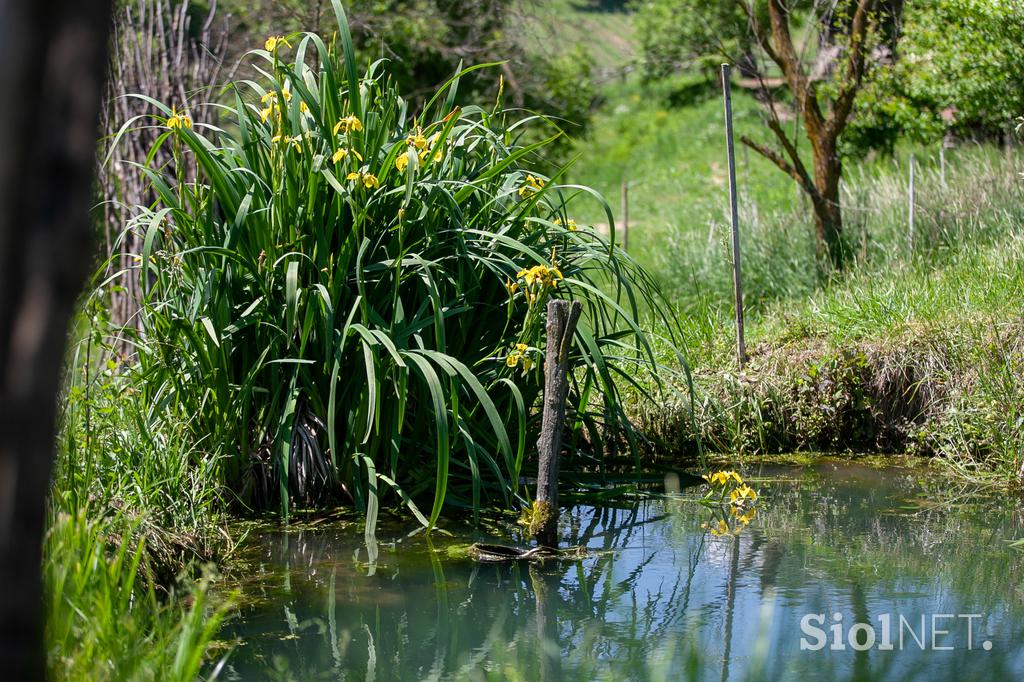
(178, 120)
(722, 477)
(350, 122)
(519, 354)
(532, 186)
(274, 42)
(369, 180)
(416, 140)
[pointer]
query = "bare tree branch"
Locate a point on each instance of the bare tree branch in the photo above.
(781, 162)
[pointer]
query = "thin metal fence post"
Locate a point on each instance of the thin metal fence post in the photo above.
(625, 215)
(910, 206)
(737, 279)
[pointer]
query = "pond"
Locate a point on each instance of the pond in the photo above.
(848, 571)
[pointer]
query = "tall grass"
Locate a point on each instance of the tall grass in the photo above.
(133, 517)
(350, 299)
(980, 203)
(103, 621)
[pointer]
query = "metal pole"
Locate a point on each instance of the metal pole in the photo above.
(910, 206)
(942, 163)
(625, 215)
(741, 346)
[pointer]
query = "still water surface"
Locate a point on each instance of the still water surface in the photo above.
(902, 551)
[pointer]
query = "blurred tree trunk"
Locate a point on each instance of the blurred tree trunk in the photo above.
(53, 55)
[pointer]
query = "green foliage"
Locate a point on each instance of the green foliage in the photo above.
(961, 57)
(678, 34)
(425, 41)
(344, 298)
(132, 518)
(567, 92)
(103, 620)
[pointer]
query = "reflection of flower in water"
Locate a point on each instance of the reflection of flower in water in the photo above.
(721, 529)
(731, 501)
(743, 494)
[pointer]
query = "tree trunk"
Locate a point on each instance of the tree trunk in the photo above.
(828, 215)
(54, 54)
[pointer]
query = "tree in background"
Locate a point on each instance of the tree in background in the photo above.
(816, 79)
(823, 89)
(957, 71)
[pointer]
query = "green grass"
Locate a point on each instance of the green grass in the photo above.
(133, 518)
(914, 349)
(963, 264)
(674, 159)
(104, 621)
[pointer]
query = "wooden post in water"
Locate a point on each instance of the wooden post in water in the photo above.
(737, 279)
(562, 319)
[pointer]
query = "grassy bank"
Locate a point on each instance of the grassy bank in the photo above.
(915, 349)
(133, 528)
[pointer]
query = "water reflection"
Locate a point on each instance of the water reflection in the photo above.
(659, 597)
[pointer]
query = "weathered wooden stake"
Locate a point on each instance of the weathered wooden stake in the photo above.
(737, 279)
(910, 206)
(562, 319)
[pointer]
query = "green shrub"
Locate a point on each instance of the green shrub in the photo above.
(956, 71)
(350, 299)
